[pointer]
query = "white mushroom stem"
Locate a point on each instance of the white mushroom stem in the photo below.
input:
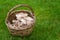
(29, 18)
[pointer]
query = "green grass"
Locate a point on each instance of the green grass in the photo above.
(47, 12)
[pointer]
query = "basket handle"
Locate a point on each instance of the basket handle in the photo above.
(20, 5)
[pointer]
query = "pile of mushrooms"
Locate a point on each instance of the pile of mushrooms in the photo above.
(23, 21)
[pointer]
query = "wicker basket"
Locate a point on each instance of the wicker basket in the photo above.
(11, 16)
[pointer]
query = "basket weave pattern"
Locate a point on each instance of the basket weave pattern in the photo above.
(11, 16)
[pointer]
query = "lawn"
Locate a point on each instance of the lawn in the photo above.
(47, 12)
